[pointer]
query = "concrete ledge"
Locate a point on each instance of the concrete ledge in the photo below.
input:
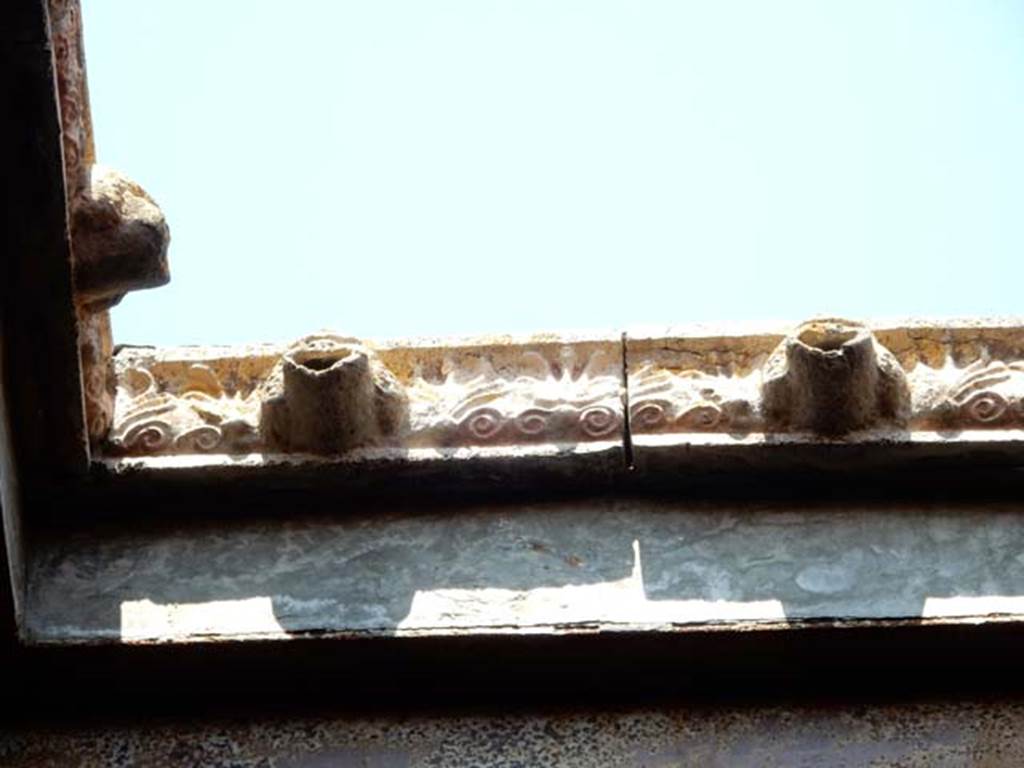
(553, 568)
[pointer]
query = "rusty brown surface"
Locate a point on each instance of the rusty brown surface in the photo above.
(119, 237)
(95, 344)
(979, 733)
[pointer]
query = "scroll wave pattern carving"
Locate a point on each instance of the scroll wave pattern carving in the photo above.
(573, 398)
(76, 127)
(989, 394)
(472, 399)
(931, 386)
(201, 418)
(691, 401)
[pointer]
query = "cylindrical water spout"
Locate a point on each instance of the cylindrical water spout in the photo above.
(831, 377)
(331, 401)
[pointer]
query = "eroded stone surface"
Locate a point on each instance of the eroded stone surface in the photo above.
(328, 395)
(72, 89)
(95, 343)
(831, 377)
(917, 376)
(120, 240)
(118, 235)
(550, 389)
(927, 384)
(426, 394)
(652, 565)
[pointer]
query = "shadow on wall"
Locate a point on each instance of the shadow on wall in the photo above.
(619, 562)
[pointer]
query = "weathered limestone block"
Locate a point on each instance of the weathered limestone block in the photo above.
(119, 243)
(989, 394)
(335, 395)
(826, 378)
(553, 390)
(969, 376)
(700, 400)
(95, 342)
(120, 240)
(99, 382)
(118, 235)
(181, 408)
(832, 377)
(327, 395)
(985, 393)
(73, 93)
(696, 384)
(703, 398)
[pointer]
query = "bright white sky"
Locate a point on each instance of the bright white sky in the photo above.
(420, 167)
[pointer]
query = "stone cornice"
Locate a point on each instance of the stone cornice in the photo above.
(422, 394)
(664, 399)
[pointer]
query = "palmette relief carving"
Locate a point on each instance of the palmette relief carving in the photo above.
(327, 395)
(829, 378)
(199, 417)
(565, 396)
(985, 394)
(692, 401)
(990, 394)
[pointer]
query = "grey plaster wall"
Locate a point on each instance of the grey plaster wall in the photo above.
(644, 563)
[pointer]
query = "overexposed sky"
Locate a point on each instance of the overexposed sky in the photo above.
(420, 167)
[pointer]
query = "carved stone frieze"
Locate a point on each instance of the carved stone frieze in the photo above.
(829, 379)
(826, 380)
(691, 400)
(989, 394)
(195, 414)
(494, 396)
(985, 394)
(328, 395)
(694, 385)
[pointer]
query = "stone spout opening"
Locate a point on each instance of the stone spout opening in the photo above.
(323, 360)
(827, 338)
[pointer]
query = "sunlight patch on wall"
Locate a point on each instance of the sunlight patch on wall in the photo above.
(973, 605)
(144, 620)
(619, 602)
